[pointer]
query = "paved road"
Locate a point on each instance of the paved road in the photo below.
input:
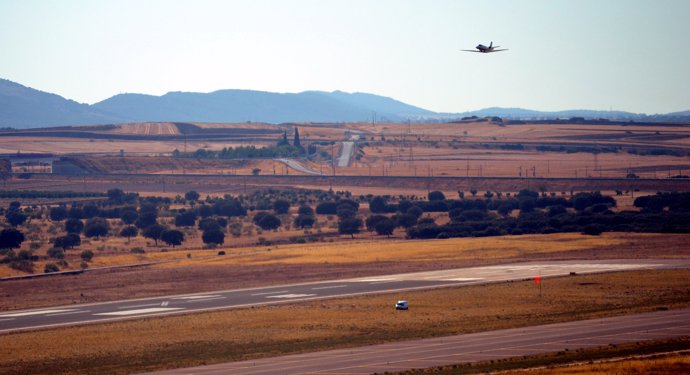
(298, 166)
(482, 346)
(347, 149)
(167, 305)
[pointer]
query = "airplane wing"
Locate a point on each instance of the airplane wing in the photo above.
(499, 50)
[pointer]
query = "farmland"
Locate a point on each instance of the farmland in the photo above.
(484, 172)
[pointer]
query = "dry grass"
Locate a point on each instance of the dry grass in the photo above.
(659, 357)
(250, 333)
(147, 128)
(115, 251)
(660, 365)
(454, 249)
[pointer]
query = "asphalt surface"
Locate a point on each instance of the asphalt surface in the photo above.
(482, 346)
(298, 166)
(180, 304)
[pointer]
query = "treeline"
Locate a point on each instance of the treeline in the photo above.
(47, 194)
(530, 213)
(244, 152)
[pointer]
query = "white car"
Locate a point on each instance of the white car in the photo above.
(401, 305)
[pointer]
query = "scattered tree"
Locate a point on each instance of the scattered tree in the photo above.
(153, 232)
(86, 255)
(50, 268)
(15, 218)
(96, 227)
(56, 253)
(129, 232)
(269, 222)
(146, 219)
(305, 210)
(281, 206)
(373, 220)
(185, 219)
(436, 196)
(305, 221)
(385, 227)
(74, 226)
(129, 216)
(58, 213)
(172, 237)
(68, 241)
(11, 238)
(349, 226)
(191, 196)
(213, 236)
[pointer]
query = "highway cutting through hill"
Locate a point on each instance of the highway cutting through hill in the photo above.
(78, 314)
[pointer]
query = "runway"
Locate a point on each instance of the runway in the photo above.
(482, 346)
(189, 303)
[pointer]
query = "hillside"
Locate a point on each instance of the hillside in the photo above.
(24, 107)
(257, 106)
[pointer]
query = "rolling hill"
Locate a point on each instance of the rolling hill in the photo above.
(22, 107)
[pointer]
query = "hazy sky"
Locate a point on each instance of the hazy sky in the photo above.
(564, 54)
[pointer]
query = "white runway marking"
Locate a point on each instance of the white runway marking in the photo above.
(465, 279)
(141, 311)
(377, 279)
(199, 297)
(330, 287)
(205, 299)
(267, 293)
(37, 312)
(136, 306)
(70, 312)
(291, 296)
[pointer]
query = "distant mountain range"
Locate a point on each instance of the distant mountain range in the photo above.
(22, 107)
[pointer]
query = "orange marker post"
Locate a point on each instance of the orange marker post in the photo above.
(537, 281)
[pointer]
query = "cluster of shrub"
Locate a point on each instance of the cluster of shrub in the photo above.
(588, 213)
(244, 152)
(346, 209)
(282, 149)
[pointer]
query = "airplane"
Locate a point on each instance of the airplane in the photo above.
(484, 49)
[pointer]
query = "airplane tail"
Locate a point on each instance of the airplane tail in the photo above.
(491, 44)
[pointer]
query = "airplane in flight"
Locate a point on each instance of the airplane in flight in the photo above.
(484, 49)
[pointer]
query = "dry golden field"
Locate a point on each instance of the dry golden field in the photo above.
(146, 128)
(420, 149)
(671, 364)
(189, 340)
(367, 247)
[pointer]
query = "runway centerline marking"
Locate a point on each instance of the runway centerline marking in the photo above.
(267, 293)
(291, 296)
(135, 306)
(70, 312)
(199, 296)
(205, 299)
(37, 312)
(330, 287)
(141, 311)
